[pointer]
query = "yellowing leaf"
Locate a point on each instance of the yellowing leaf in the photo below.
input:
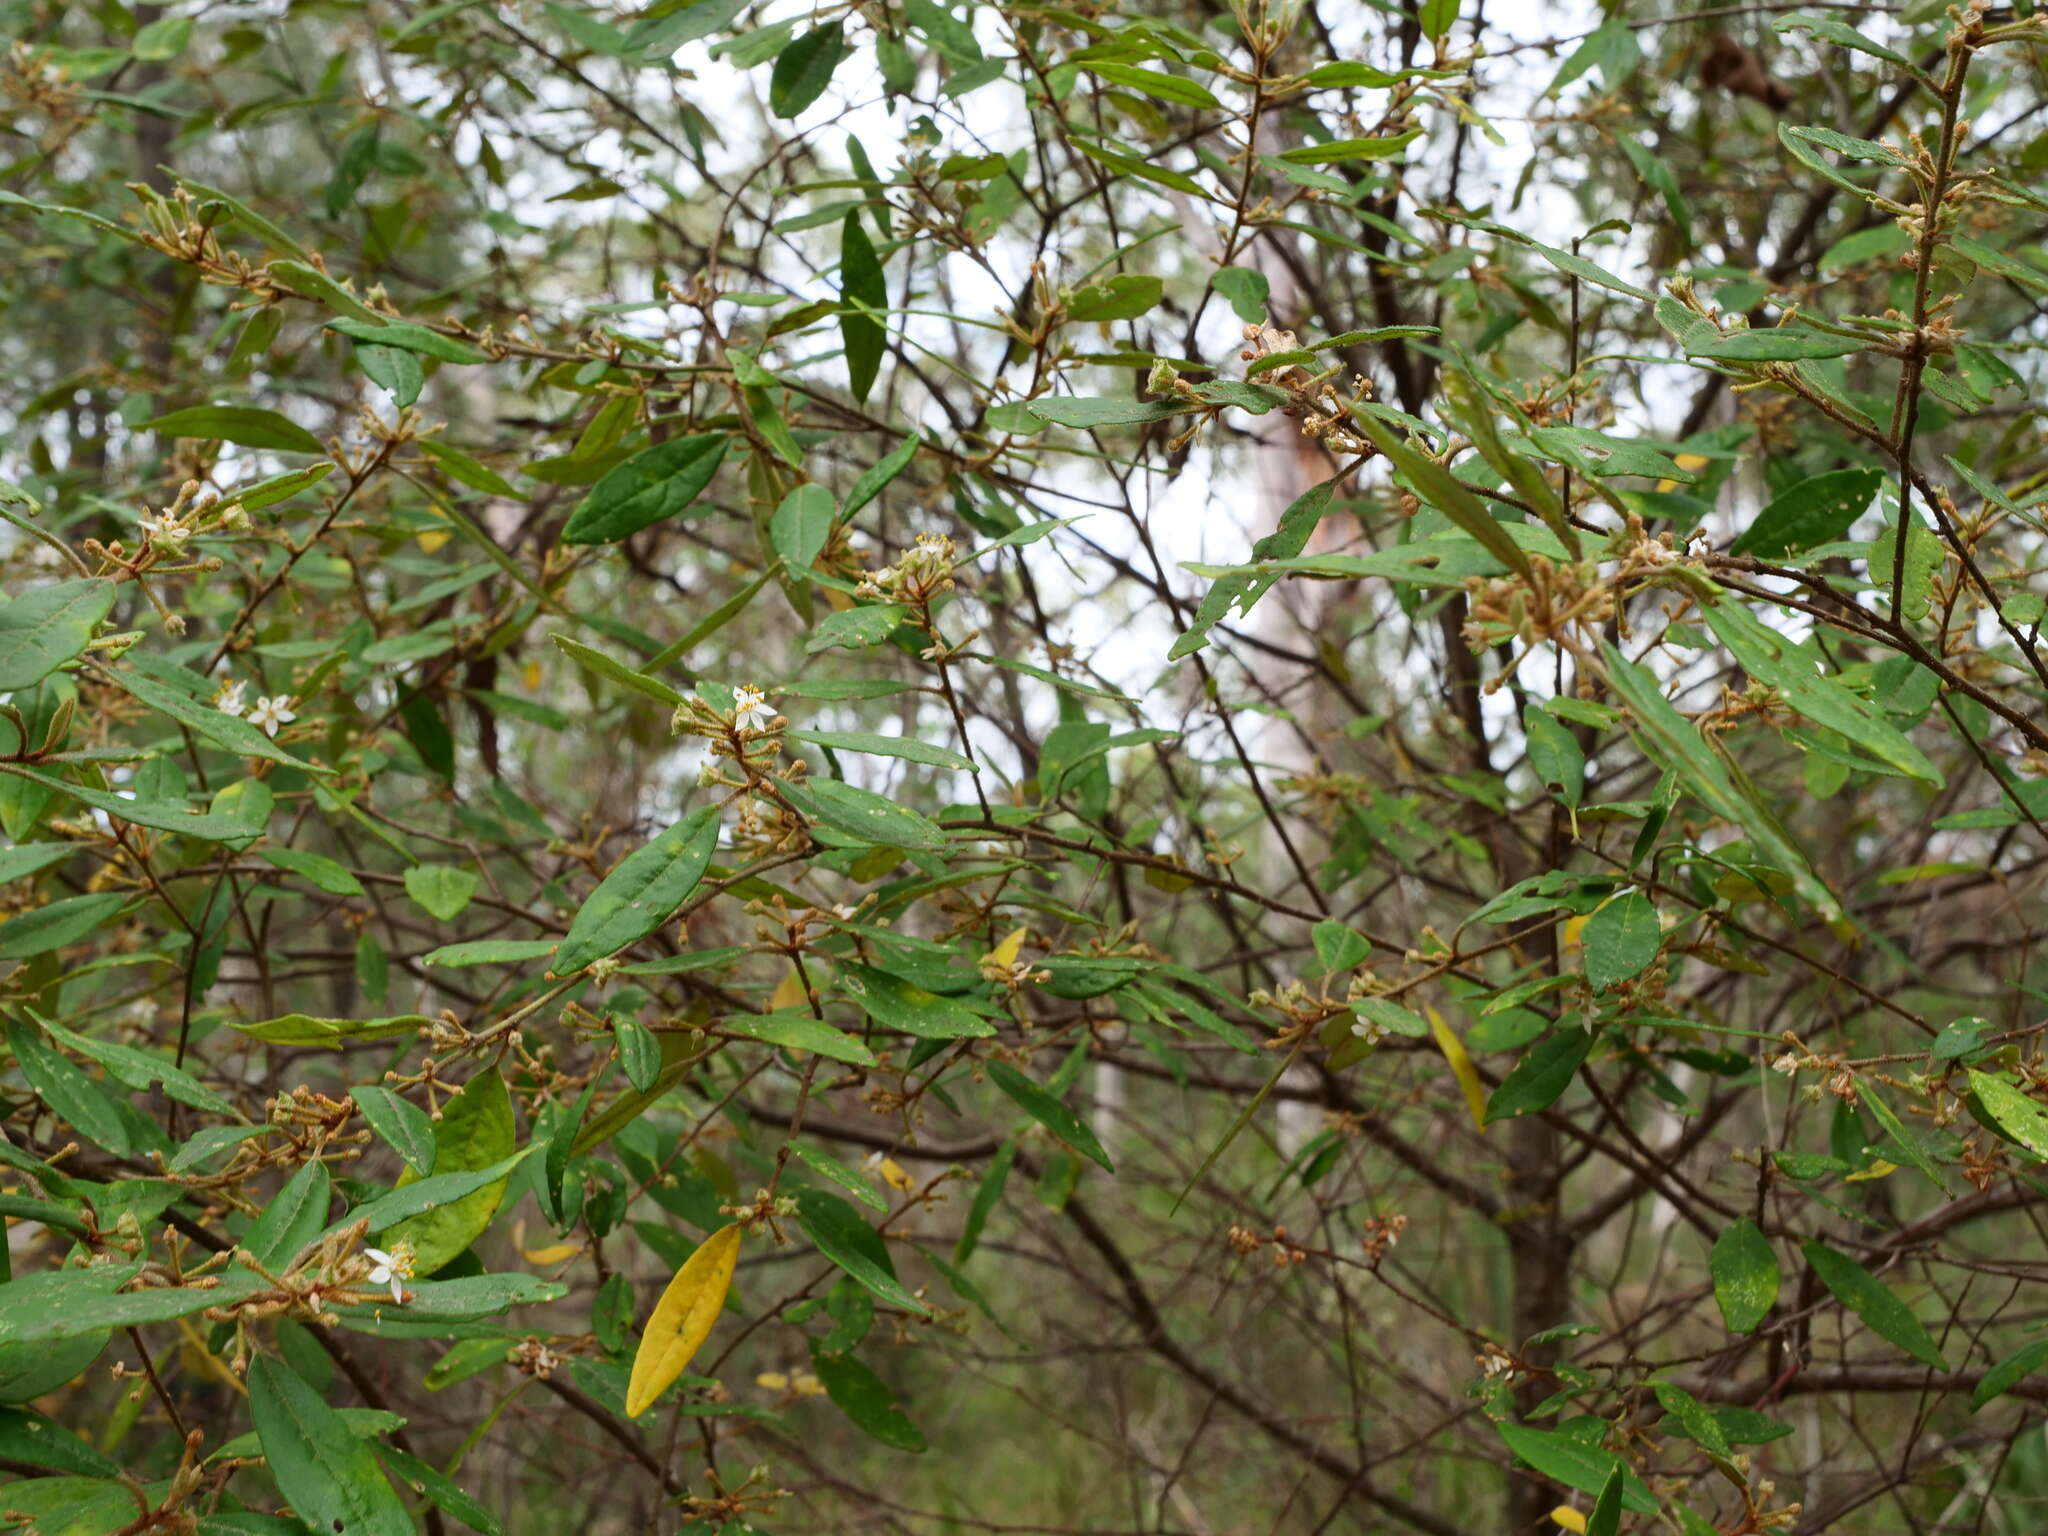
(432, 539)
(1461, 1067)
(807, 1385)
(1564, 1515)
(1878, 1169)
(1690, 463)
(772, 1381)
(682, 1319)
(530, 676)
(554, 1253)
(1005, 953)
(790, 994)
(894, 1176)
(1572, 929)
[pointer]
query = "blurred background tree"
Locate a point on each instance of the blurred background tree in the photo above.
(995, 767)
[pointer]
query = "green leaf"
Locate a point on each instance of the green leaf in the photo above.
(801, 526)
(864, 294)
(1048, 1112)
(907, 748)
(295, 1216)
(844, 1237)
(658, 483)
(1587, 1468)
(328, 1474)
(833, 1169)
(403, 1125)
(55, 1305)
(246, 425)
(804, 69)
(57, 924)
(2013, 1114)
(1155, 83)
(222, 729)
(1746, 1276)
(1349, 149)
(490, 952)
(1069, 411)
(1775, 344)
(1621, 939)
(1339, 947)
(641, 894)
(1873, 1301)
(897, 1004)
(306, 1029)
(863, 815)
(615, 670)
(163, 815)
(1816, 510)
(799, 1031)
(75, 1098)
(856, 628)
(1245, 290)
(442, 1214)
(879, 475)
(639, 1051)
(1391, 1016)
(1674, 742)
(1544, 1072)
(407, 337)
(441, 890)
(1555, 754)
(1697, 1420)
(1606, 1517)
(2010, 1372)
(316, 869)
(863, 1397)
(1125, 296)
(48, 625)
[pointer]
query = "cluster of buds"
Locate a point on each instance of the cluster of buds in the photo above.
(1300, 1009)
(1004, 966)
(532, 1357)
(747, 735)
(29, 76)
(924, 572)
(1832, 1073)
(1496, 1365)
(766, 1209)
(1313, 399)
(1381, 1233)
(195, 511)
(1286, 1251)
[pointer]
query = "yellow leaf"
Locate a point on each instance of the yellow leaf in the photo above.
(1572, 929)
(432, 539)
(1569, 1519)
(772, 1381)
(790, 994)
(530, 675)
(554, 1253)
(807, 1385)
(1690, 463)
(894, 1176)
(1878, 1169)
(682, 1319)
(1005, 954)
(1461, 1067)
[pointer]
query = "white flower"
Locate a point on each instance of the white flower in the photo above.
(394, 1267)
(271, 713)
(228, 699)
(750, 709)
(167, 531)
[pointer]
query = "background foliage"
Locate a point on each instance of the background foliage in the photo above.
(1001, 767)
